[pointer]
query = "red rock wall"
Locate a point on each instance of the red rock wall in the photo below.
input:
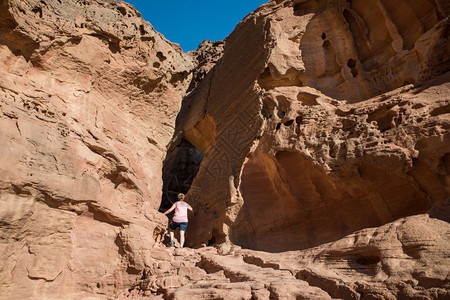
(354, 50)
(321, 119)
(89, 93)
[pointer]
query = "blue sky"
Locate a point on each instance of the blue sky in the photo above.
(189, 22)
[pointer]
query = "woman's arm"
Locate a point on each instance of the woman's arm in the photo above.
(190, 208)
(172, 208)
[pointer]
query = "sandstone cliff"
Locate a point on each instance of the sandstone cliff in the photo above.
(336, 120)
(89, 95)
(323, 118)
(320, 127)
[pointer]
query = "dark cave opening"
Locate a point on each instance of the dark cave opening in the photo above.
(352, 66)
(212, 241)
(179, 170)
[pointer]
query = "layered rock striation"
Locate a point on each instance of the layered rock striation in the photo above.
(320, 127)
(89, 93)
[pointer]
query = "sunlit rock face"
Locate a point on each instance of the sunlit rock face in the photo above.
(322, 118)
(316, 126)
(355, 50)
(89, 93)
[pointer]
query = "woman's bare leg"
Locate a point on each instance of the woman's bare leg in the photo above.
(172, 240)
(181, 238)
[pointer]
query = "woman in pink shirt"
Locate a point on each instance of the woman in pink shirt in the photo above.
(180, 219)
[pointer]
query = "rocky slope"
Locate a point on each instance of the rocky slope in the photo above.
(317, 125)
(406, 259)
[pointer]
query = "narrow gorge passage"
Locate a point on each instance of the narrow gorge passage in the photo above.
(179, 170)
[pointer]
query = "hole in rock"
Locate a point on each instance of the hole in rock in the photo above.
(212, 241)
(37, 11)
(324, 36)
(281, 113)
(384, 119)
(307, 98)
(114, 47)
(178, 77)
(142, 30)
(147, 38)
(122, 10)
(278, 127)
(417, 106)
(364, 261)
(161, 56)
(352, 65)
(331, 64)
(179, 170)
(299, 120)
(288, 123)
(290, 203)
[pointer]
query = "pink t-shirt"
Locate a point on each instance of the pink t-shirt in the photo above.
(180, 212)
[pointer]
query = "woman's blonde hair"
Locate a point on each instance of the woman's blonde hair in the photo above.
(181, 196)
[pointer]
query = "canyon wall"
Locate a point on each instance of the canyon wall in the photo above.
(89, 93)
(320, 127)
(322, 118)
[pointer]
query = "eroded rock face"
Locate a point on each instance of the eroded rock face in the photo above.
(89, 95)
(183, 159)
(324, 124)
(354, 50)
(205, 56)
(322, 118)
